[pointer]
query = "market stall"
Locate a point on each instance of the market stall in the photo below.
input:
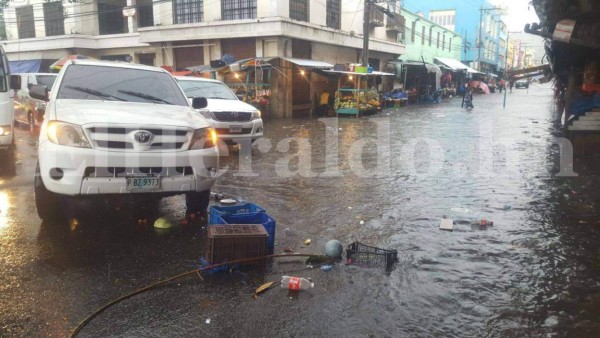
(354, 97)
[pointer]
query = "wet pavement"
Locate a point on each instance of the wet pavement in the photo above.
(534, 273)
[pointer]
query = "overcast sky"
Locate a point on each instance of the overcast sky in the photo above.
(520, 12)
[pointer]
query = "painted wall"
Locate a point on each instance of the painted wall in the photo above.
(421, 47)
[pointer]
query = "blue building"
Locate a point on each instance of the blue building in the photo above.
(487, 53)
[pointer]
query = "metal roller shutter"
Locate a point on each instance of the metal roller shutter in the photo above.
(188, 56)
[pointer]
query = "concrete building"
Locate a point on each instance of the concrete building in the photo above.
(426, 40)
(184, 33)
(477, 21)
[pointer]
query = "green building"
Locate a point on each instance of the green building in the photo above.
(426, 40)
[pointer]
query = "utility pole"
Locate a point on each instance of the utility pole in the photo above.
(366, 17)
(506, 62)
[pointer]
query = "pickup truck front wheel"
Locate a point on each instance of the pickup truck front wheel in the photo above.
(197, 201)
(46, 201)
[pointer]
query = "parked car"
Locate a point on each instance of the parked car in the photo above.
(8, 83)
(232, 118)
(30, 111)
(120, 128)
(521, 84)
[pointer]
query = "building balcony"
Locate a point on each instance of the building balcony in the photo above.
(395, 24)
(376, 17)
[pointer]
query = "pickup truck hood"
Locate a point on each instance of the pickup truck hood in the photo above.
(228, 105)
(90, 111)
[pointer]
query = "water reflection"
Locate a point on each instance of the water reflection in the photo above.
(4, 210)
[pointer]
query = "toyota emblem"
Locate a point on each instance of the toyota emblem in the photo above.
(235, 114)
(142, 136)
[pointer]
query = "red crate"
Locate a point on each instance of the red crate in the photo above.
(229, 242)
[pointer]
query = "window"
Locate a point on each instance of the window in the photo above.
(412, 31)
(438, 40)
(334, 9)
(452, 17)
(188, 11)
(54, 18)
(238, 9)
(299, 10)
(423, 35)
(444, 42)
(110, 17)
(26, 26)
(430, 34)
(145, 15)
(450, 45)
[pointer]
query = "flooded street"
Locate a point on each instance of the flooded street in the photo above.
(534, 273)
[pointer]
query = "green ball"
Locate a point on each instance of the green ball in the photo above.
(162, 223)
(334, 249)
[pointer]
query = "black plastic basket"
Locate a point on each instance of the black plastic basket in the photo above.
(365, 255)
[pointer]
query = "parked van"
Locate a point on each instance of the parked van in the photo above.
(7, 83)
(30, 111)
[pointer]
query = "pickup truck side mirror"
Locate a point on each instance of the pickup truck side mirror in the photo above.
(15, 82)
(199, 102)
(39, 92)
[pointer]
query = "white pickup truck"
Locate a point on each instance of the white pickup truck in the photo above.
(118, 128)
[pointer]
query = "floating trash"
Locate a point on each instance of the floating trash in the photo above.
(370, 256)
(447, 224)
(262, 289)
(461, 210)
(326, 267)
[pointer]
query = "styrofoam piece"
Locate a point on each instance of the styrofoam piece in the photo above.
(447, 224)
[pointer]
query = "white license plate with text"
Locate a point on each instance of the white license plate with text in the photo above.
(235, 129)
(150, 183)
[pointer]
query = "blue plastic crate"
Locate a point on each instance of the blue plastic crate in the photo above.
(253, 218)
(242, 208)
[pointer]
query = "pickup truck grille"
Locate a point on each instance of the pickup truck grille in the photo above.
(123, 138)
(232, 116)
(125, 171)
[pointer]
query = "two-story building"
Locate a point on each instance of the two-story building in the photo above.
(184, 33)
(425, 40)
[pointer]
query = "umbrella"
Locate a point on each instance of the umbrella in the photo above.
(481, 85)
(61, 62)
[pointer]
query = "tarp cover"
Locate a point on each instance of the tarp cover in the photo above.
(25, 66)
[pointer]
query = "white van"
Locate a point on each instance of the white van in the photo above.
(7, 83)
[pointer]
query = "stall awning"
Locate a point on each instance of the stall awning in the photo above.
(25, 66)
(431, 68)
(202, 69)
(456, 65)
(310, 64)
(374, 73)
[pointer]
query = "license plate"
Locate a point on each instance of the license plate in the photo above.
(150, 183)
(235, 129)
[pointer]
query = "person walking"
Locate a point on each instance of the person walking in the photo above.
(511, 83)
(469, 98)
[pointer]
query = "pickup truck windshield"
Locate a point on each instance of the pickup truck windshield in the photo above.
(87, 82)
(207, 89)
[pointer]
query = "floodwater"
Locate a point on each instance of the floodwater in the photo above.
(534, 273)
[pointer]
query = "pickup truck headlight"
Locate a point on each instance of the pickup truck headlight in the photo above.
(204, 138)
(67, 134)
(255, 115)
(5, 130)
